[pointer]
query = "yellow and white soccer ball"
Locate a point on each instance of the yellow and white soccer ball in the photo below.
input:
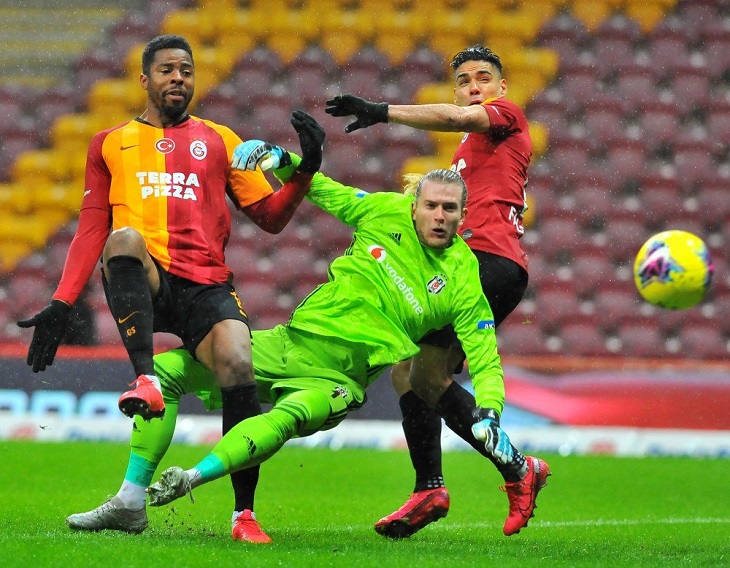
(673, 270)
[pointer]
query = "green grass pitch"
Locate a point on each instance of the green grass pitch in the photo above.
(319, 506)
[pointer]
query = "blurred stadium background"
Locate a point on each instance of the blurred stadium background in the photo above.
(629, 106)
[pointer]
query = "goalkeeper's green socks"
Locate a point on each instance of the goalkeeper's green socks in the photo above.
(138, 477)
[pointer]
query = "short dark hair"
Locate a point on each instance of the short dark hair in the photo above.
(476, 53)
(169, 41)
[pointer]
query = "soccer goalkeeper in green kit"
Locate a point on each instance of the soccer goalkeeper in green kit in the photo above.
(406, 273)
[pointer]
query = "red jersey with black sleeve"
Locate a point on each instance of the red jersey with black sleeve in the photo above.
(170, 184)
(494, 166)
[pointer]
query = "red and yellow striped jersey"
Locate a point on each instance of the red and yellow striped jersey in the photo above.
(170, 185)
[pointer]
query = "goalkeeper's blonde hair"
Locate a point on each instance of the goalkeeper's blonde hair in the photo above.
(412, 183)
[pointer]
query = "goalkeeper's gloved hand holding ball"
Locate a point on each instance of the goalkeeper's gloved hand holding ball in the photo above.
(311, 141)
(50, 326)
(247, 155)
(366, 112)
(496, 440)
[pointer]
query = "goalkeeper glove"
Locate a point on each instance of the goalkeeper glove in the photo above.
(50, 326)
(247, 155)
(311, 141)
(496, 440)
(366, 112)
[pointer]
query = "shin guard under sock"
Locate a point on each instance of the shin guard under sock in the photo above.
(241, 402)
(130, 302)
(422, 429)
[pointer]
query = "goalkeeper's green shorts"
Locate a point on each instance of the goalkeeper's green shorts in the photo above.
(285, 360)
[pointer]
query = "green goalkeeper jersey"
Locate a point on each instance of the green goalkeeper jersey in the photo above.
(388, 290)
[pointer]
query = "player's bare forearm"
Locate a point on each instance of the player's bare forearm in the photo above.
(440, 117)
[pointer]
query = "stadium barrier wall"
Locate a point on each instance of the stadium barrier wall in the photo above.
(616, 409)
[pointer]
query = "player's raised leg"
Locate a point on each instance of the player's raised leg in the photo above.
(149, 441)
(249, 443)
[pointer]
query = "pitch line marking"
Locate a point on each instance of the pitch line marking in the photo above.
(599, 523)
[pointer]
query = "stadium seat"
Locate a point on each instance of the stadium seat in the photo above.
(550, 108)
(10, 150)
(627, 157)
(704, 342)
(341, 44)
(422, 65)
(360, 81)
(590, 272)
(357, 19)
(294, 259)
(691, 85)
(624, 237)
(269, 319)
(646, 14)
(722, 304)
(592, 14)
(716, 48)
(582, 339)
(615, 301)
(560, 236)
(270, 122)
(660, 121)
(713, 202)
(641, 338)
(668, 51)
(579, 81)
(133, 29)
(696, 16)
(718, 117)
(95, 65)
(258, 297)
(521, 338)
(286, 45)
(691, 221)
(242, 260)
(338, 160)
(565, 34)
(569, 157)
(595, 198)
(199, 27)
(221, 105)
(635, 83)
(555, 305)
(605, 121)
(660, 197)
(450, 42)
(692, 158)
(615, 41)
(50, 105)
(330, 236)
(396, 45)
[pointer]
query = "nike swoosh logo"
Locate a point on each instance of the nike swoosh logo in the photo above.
(122, 320)
(128, 147)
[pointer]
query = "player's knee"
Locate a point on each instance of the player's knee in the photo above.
(232, 369)
(399, 377)
(125, 241)
(429, 386)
